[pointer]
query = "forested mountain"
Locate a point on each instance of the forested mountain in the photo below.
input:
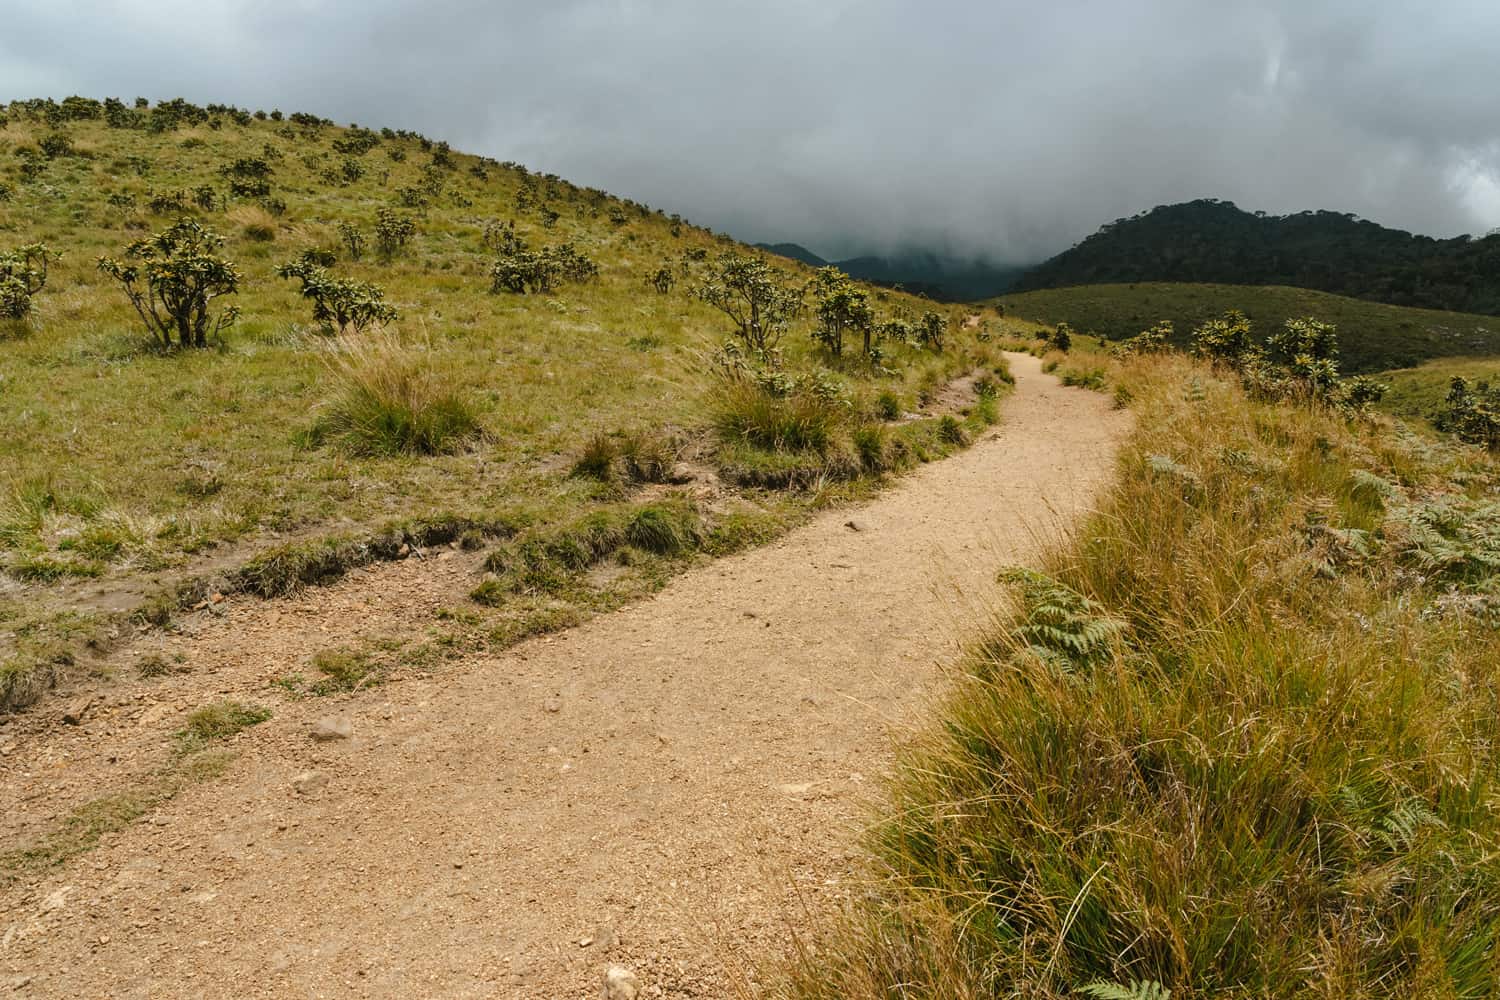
(1215, 241)
(947, 279)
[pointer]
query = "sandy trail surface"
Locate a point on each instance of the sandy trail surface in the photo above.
(665, 787)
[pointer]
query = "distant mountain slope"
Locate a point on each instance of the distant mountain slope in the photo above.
(795, 251)
(1215, 241)
(1372, 336)
(947, 279)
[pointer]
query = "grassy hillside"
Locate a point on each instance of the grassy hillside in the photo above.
(1372, 336)
(1241, 742)
(1215, 241)
(126, 466)
(1417, 393)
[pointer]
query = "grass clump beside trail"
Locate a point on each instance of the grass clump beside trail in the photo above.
(219, 721)
(1376, 336)
(776, 430)
(1242, 739)
(388, 402)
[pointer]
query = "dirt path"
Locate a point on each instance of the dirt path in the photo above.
(659, 788)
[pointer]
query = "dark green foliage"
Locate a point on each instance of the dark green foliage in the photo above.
(77, 108)
(175, 281)
(392, 232)
(1060, 338)
(842, 306)
(662, 278)
(249, 177)
(1152, 341)
(951, 430)
(749, 292)
(1300, 361)
(353, 239)
(23, 273)
(931, 329)
(1471, 412)
(338, 303)
(356, 142)
(501, 237)
(1214, 241)
(1225, 340)
(55, 145)
(167, 202)
(347, 172)
(537, 271)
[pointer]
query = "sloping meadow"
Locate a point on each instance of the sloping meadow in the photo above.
(462, 331)
(1240, 740)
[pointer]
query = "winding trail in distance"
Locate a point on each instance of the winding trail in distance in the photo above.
(664, 787)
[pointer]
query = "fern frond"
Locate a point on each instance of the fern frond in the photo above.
(1139, 989)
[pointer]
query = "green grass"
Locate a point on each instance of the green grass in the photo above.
(81, 829)
(1417, 394)
(121, 460)
(1372, 336)
(218, 721)
(1242, 738)
(345, 669)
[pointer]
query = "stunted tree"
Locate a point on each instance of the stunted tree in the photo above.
(931, 329)
(353, 239)
(842, 307)
(338, 304)
(23, 273)
(172, 281)
(392, 232)
(746, 290)
(661, 277)
(1471, 412)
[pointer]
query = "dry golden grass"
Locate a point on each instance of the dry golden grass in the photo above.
(1243, 745)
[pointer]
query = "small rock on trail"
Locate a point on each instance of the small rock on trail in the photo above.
(620, 984)
(331, 728)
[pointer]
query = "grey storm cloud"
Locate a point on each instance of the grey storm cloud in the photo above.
(1000, 130)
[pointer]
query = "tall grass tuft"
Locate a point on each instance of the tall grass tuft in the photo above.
(1241, 740)
(794, 421)
(390, 401)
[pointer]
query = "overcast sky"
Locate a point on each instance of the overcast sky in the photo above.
(999, 129)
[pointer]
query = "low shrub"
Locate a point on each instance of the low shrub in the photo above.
(392, 233)
(339, 304)
(23, 274)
